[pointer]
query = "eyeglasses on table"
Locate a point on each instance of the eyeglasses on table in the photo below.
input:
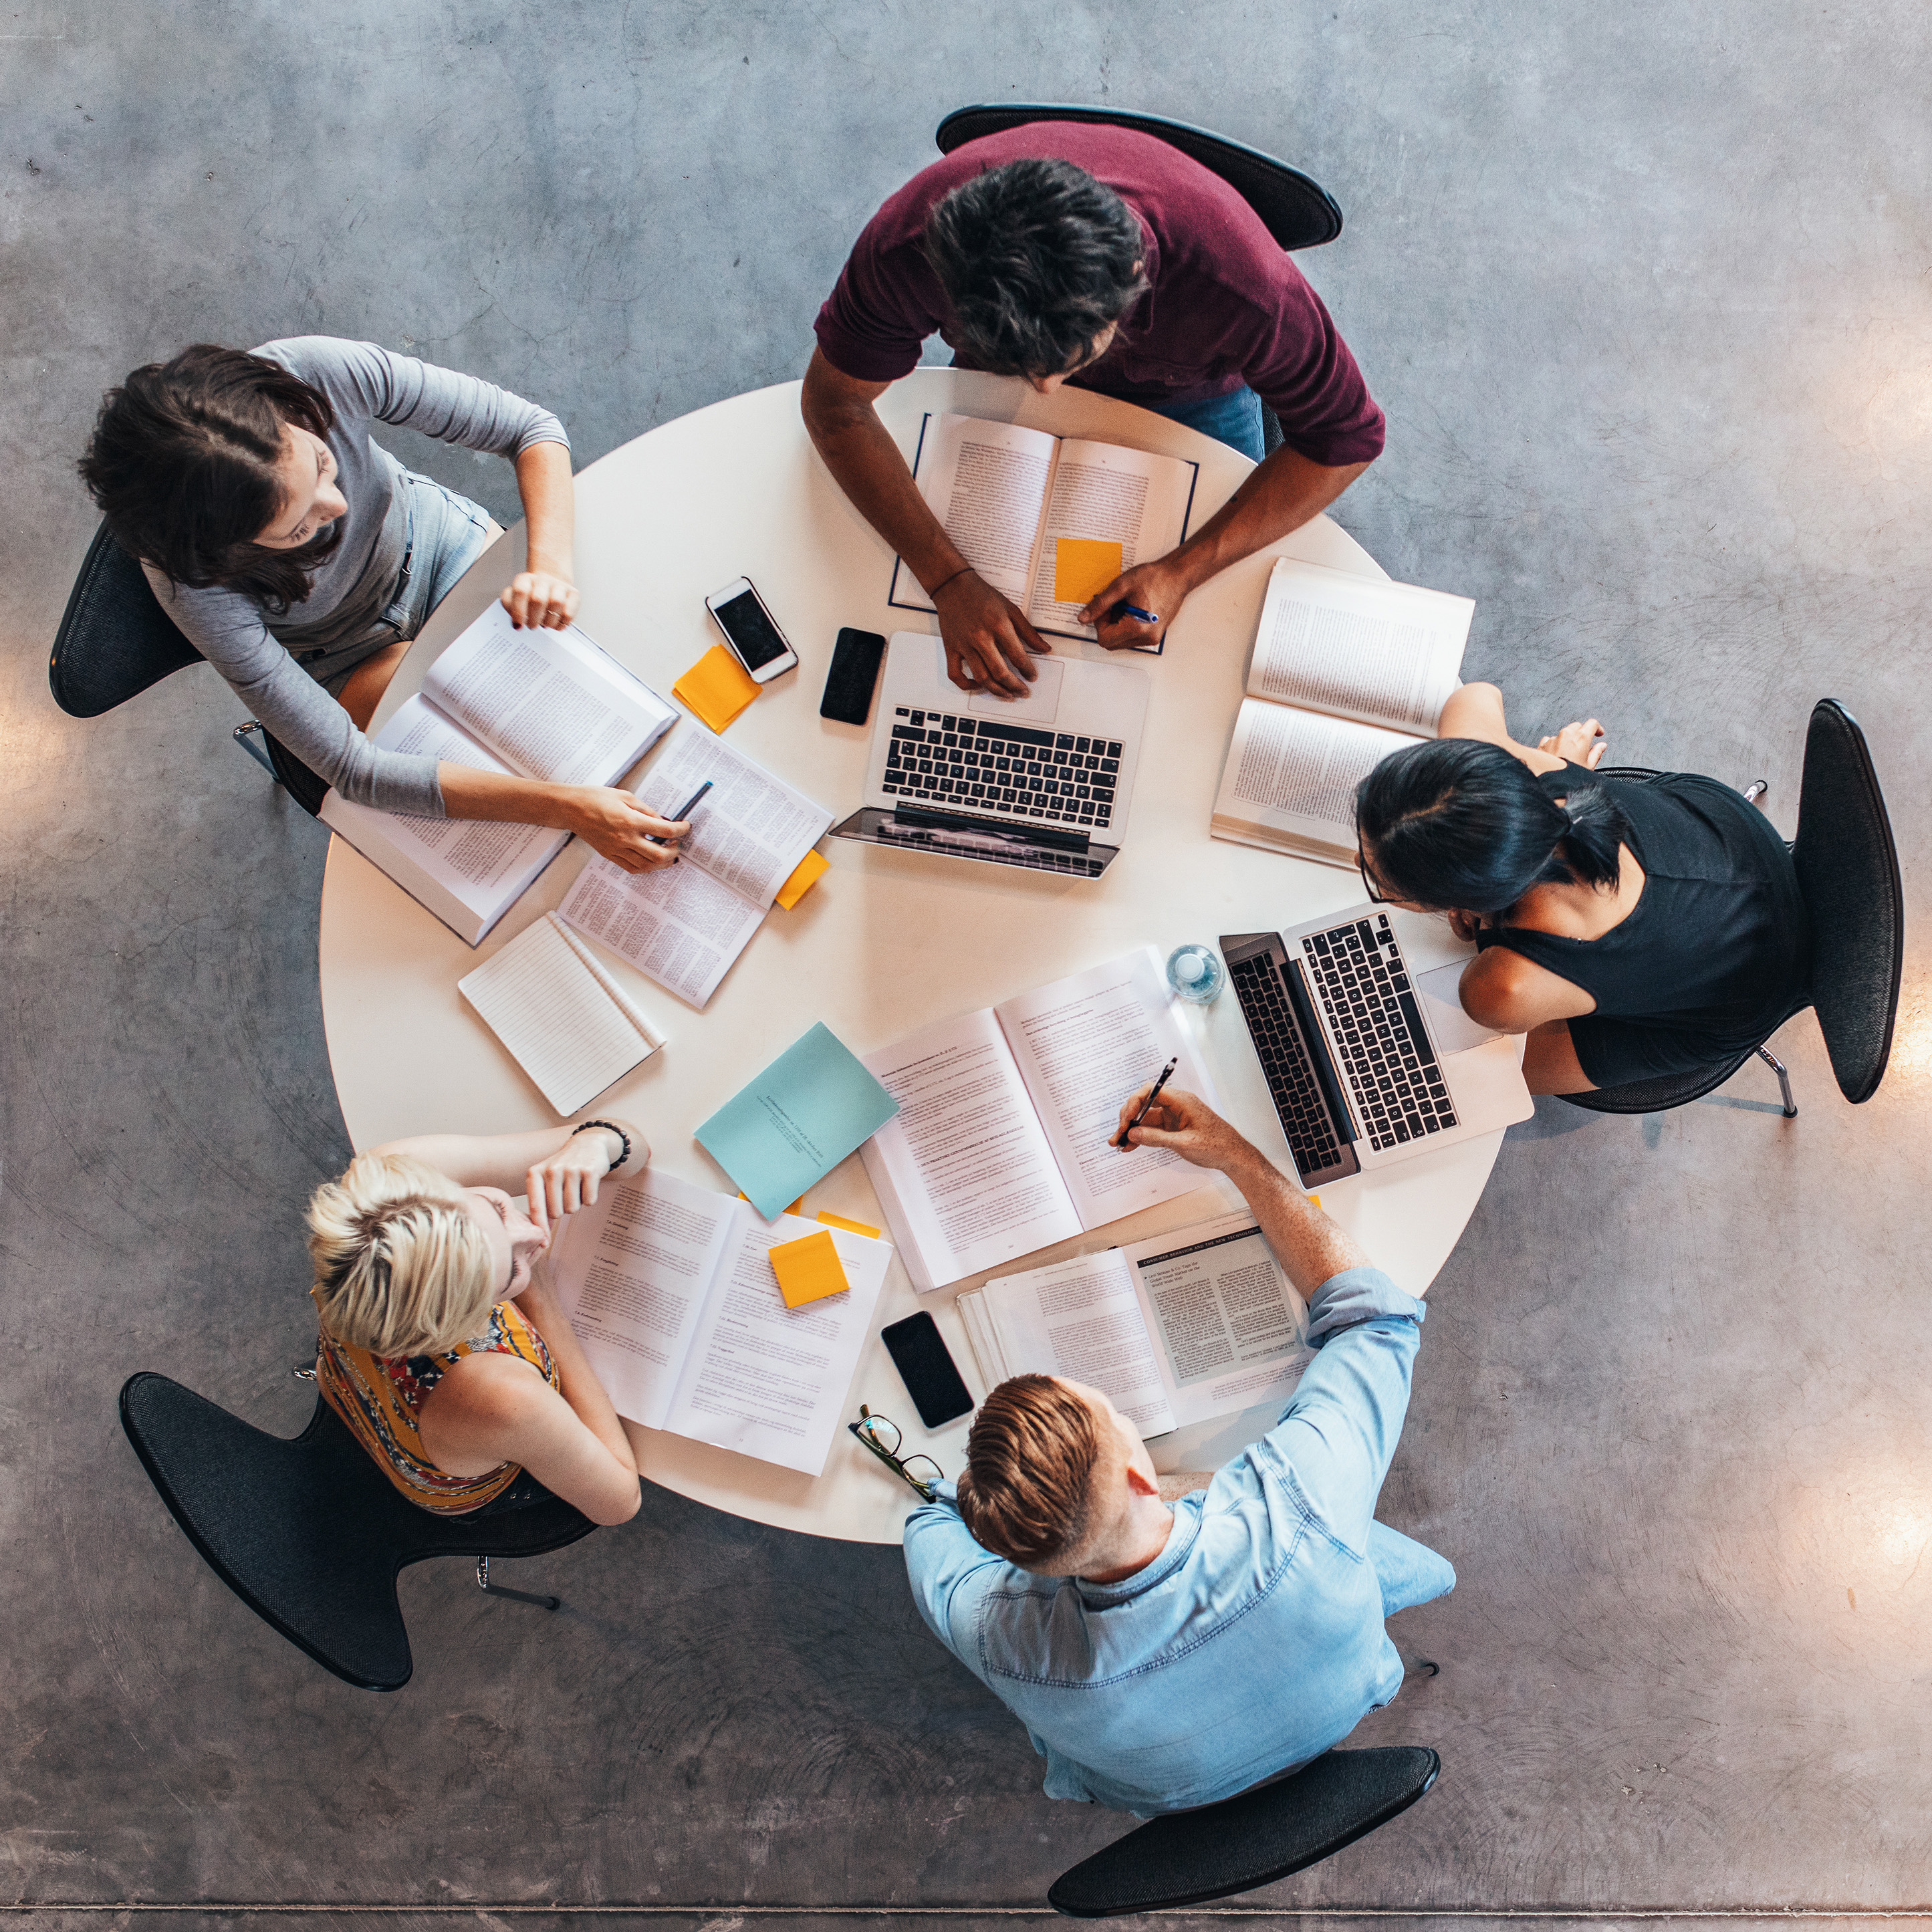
(881, 1435)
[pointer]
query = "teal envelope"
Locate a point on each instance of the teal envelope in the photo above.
(794, 1123)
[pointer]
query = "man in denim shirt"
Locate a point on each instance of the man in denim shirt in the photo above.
(1169, 1641)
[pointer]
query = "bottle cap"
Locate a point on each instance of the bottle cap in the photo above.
(1190, 966)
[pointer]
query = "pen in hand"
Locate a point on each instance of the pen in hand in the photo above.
(1166, 1074)
(1134, 611)
(683, 812)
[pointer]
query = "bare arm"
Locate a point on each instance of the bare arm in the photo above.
(1285, 492)
(608, 819)
(1306, 1242)
(557, 1168)
(1476, 711)
(988, 641)
(491, 1408)
(544, 594)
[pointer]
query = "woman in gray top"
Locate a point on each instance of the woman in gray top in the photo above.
(300, 558)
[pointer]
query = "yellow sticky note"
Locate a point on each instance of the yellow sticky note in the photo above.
(718, 687)
(850, 1227)
(807, 1270)
(1314, 1200)
(792, 1209)
(1083, 567)
(805, 875)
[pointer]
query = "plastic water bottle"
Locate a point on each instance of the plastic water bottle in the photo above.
(1195, 973)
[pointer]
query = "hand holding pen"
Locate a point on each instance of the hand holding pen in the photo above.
(1121, 1139)
(682, 813)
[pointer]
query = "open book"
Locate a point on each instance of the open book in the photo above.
(1000, 1144)
(671, 1290)
(566, 1022)
(1048, 521)
(1346, 670)
(541, 704)
(684, 925)
(1179, 1329)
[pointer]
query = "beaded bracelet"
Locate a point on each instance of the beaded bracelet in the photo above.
(609, 1127)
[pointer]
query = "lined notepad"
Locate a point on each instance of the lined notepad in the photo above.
(566, 1021)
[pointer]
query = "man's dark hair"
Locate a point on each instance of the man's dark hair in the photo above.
(1036, 258)
(182, 463)
(1459, 822)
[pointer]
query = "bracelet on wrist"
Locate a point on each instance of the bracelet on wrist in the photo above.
(961, 572)
(610, 1127)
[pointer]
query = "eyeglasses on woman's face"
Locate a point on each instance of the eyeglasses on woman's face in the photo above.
(880, 1434)
(1368, 884)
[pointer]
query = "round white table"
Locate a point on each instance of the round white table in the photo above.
(885, 941)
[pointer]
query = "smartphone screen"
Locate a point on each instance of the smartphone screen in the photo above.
(855, 670)
(920, 1354)
(754, 636)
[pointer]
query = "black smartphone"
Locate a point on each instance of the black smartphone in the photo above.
(920, 1354)
(855, 670)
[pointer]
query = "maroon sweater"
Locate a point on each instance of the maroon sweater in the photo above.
(1227, 307)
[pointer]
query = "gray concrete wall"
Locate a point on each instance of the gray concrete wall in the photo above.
(1643, 289)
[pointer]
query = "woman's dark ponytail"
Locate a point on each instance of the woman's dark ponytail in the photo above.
(1458, 822)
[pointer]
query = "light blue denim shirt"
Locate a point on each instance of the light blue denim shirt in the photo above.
(1255, 1640)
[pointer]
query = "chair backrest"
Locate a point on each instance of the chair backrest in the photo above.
(308, 1532)
(1295, 209)
(115, 640)
(1188, 1857)
(1848, 872)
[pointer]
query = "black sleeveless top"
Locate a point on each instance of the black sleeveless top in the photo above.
(1715, 953)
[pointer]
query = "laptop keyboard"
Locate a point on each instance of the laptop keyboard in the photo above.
(1357, 972)
(983, 767)
(1285, 1064)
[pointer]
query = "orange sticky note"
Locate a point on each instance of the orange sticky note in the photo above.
(718, 687)
(792, 1209)
(807, 1270)
(805, 875)
(850, 1227)
(1314, 1200)
(1083, 567)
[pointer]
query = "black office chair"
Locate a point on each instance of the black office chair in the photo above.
(114, 640)
(1187, 1858)
(1847, 868)
(1294, 208)
(309, 1534)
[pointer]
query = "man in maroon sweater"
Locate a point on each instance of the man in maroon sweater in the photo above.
(1067, 253)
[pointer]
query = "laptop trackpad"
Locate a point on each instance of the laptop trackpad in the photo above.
(1040, 705)
(1453, 1030)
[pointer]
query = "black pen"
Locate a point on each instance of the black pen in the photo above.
(1166, 1074)
(684, 812)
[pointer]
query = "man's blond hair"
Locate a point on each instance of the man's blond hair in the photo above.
(1032, 1457)
(401, 1267)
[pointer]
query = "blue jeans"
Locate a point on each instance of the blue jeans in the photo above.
(1410, 1573)
(1235, 419)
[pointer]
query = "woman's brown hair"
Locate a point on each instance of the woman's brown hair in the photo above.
(183, 464)
(1027, 1494)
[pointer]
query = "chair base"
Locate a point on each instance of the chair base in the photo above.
(484, 1583)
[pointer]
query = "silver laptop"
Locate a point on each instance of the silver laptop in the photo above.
(1041, 781)
(1367, 1053)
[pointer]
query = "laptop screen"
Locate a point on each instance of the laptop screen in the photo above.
(992, 844)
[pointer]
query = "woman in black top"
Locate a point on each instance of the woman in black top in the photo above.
(1632, 929)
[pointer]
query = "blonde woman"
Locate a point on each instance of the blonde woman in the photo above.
(443, 1347)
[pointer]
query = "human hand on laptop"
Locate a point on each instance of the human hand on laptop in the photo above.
(989, 644)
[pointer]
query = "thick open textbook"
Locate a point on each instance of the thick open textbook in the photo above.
(670, 1289)
(1048, 521)
(566, 1021)
(1176, 1330)
(684, 925)
(1346, 670)
(1001, 1143)
(541, 704)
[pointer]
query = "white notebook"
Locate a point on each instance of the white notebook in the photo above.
(1346, 670)
(684, 925)
(1008, 497)
(566, 1022)
(541, 704)
(1000, 1146)
(671, 1290)
(1177, 1330)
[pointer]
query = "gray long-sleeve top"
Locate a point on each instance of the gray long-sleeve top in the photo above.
(365, 384)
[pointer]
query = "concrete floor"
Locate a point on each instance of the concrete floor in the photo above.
(1643, 289)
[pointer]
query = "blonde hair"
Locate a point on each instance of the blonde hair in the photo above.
(401, 1267)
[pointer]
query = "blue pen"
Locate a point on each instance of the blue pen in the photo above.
(1135, 610)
